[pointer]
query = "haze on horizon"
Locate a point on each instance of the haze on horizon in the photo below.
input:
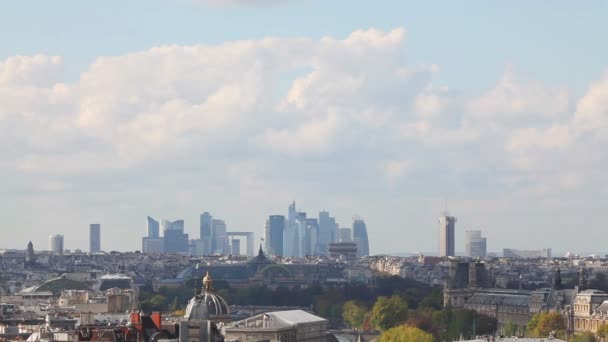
(115, 111)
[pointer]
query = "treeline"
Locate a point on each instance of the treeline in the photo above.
(393, 316)
(325, 301)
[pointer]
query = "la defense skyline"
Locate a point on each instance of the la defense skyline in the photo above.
(297, 234)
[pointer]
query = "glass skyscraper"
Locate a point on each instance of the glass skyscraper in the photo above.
(360, 237)
(95, 238)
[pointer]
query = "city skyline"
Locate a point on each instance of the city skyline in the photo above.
(170, 108)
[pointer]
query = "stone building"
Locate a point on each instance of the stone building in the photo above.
(287, 326)
(205, 315)
(588, 311)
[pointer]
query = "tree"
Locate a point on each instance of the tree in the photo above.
(602, 331)
(388, 312)
(584, 337)
(543, 323)
(353, 313)
(509, 329)
(405, 333)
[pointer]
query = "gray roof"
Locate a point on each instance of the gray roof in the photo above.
(294, 317)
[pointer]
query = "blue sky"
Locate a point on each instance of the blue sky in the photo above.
(472, 41)
(384, 109)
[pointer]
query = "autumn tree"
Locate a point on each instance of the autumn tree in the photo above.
(602, 331)
(543, 323)
(353, 313)
(388, 312)
(584, 337)
(404, 333)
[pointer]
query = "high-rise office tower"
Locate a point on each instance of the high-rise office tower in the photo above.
(345, 235)
(94, 238)
(220, 239)
(474, 244)
(302, 234)
(290, 235)
(153, 230)
(174, 238)
(56, 244)
(274, 237)
(235, 247)
(312, 236)
(447, 226)
(326, 229)
(360, 236)
(153, 243)
(206, 231)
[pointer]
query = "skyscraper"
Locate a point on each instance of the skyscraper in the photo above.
(360, 236)
(152, 243)
(220, 239)
(326, 228)
(56, 244)
(290, 235)
(206, 231)
(312, 236)
(345, 235)
(95, 238)
(174, 238)
(274, 237)
(447, 226)
(153, 230)
(474, 244)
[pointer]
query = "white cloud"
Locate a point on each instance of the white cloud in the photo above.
(234, 118)
(517, 97)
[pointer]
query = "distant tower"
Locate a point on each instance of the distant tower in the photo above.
(30, 256)
(360, 236)
(274, 239)
(95, 238)
(447, 226)
(206, 232)
(56, 244)
(474, 244)
(153, 228)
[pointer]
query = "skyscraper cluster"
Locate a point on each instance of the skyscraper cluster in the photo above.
(213, 238)
(298, 235)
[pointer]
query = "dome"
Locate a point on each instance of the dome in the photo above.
(207, 305)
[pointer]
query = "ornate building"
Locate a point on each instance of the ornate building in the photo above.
(205, 315)
(588, 311)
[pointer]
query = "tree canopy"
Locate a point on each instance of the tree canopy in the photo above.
(404, 333)
(389, 312)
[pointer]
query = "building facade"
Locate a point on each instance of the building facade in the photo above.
(95, 238)
(274, 237)
(174, 238)
(360, 236)
(447, 226)
(474, 244)
(56, 244)
(526, 254)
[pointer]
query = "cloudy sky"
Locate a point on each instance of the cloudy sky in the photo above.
(385, 109)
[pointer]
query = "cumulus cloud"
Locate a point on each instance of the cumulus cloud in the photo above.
(273, 117)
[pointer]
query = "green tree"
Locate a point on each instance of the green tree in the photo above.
(389, 312)
(404, 333)
(353, 313)
(509, 329)
(584, 337)
(543, 323)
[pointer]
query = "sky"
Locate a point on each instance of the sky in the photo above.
(390, 110)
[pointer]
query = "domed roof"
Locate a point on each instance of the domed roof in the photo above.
(207, 305)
